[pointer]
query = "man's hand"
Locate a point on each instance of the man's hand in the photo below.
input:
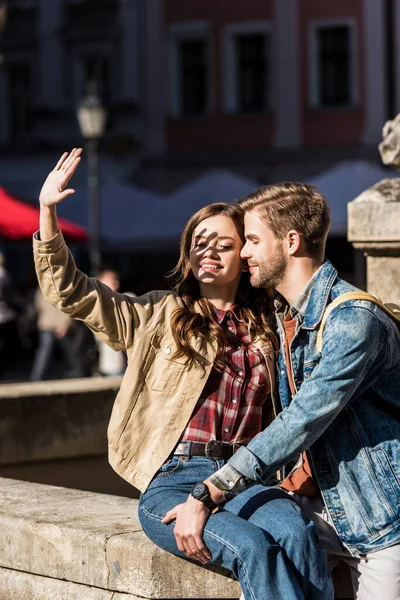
(190, 520)
(53, 190)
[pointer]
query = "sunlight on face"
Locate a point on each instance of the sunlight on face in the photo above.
(264, 253)
(215, 252)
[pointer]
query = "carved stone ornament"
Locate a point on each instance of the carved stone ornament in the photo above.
(386, 190)
(389, 147)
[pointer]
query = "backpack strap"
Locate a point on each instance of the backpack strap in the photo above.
(390, 309)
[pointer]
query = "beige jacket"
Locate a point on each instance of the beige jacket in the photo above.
(158, 393)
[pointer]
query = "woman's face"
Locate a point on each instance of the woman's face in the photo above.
(215, 252)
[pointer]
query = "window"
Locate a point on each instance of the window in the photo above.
(247, 68)
(19, 100)
(252, 72)
(193, 77)
(189, 69)
(333, 65)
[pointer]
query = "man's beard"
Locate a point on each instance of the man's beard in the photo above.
(271, 272)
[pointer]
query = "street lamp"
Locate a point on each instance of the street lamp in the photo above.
(92, 118)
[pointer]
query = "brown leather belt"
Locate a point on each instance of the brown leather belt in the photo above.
(212, 449)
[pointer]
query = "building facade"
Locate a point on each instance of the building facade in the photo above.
(276, 89)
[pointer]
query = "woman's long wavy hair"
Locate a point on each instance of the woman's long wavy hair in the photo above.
(256, 306)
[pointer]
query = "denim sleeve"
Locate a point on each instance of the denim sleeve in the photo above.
(353, 356)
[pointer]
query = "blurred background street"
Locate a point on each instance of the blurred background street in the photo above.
(178, 104)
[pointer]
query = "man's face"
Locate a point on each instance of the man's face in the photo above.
(264, 253)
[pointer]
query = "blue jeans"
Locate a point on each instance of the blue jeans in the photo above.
(261, 536)
(44, 354)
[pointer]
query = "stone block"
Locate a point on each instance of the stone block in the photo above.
(374, 216)
(95, 540)
(55, 419)
(137, 566)
(15, 585)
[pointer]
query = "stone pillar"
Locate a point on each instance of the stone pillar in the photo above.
(396, 34)
(374, 228)
(51, 81)
(286, 74)
(375, 72)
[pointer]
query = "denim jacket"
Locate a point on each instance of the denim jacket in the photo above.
(346, 413)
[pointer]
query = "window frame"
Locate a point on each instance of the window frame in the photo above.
(230, 88)
(181, 32)
(313, 72)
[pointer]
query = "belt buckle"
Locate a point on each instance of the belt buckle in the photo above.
(207, 449)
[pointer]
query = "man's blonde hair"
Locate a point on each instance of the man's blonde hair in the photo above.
(292, 205)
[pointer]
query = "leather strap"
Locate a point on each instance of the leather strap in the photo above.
(390, 309)
(213, 449)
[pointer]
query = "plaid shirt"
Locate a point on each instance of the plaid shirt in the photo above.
(232, 407)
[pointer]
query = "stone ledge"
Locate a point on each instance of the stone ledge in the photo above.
(15, 585)
(59, 386)
(54, 420)
(92, 540)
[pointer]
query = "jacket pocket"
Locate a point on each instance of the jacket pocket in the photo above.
(164, 369)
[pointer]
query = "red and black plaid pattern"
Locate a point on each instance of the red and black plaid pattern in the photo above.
(230, 408)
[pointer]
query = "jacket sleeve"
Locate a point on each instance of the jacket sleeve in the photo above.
(353, 357)
(114, 317)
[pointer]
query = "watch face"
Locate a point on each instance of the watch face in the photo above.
(199, 490)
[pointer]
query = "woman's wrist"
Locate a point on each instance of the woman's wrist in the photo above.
(48, 222)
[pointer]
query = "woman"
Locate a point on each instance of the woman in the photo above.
(199, 383)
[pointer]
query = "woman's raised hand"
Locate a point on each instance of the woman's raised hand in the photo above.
(53, 191)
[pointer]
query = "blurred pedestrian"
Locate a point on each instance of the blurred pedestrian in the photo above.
(111, 363)
(53, 327)
(11, 304)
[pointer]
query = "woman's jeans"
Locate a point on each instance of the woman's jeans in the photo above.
(261, 536)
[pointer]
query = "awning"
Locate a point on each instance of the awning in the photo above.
(18, 220)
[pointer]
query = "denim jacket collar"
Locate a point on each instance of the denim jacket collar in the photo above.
(319, 296)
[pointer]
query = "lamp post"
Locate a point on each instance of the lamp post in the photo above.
(92, 118)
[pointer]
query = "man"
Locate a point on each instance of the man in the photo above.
(341, 407)
(53, 327)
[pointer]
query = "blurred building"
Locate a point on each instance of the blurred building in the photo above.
(275, 89)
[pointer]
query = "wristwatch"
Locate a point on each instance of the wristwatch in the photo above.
(200, 492)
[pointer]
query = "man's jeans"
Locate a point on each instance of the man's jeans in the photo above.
(44, 352)
(261, 535)
(375, 575)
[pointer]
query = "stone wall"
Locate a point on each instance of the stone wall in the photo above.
(374, 228)
(67, 544)
(56, 432)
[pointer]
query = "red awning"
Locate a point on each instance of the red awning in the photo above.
(18, 221)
